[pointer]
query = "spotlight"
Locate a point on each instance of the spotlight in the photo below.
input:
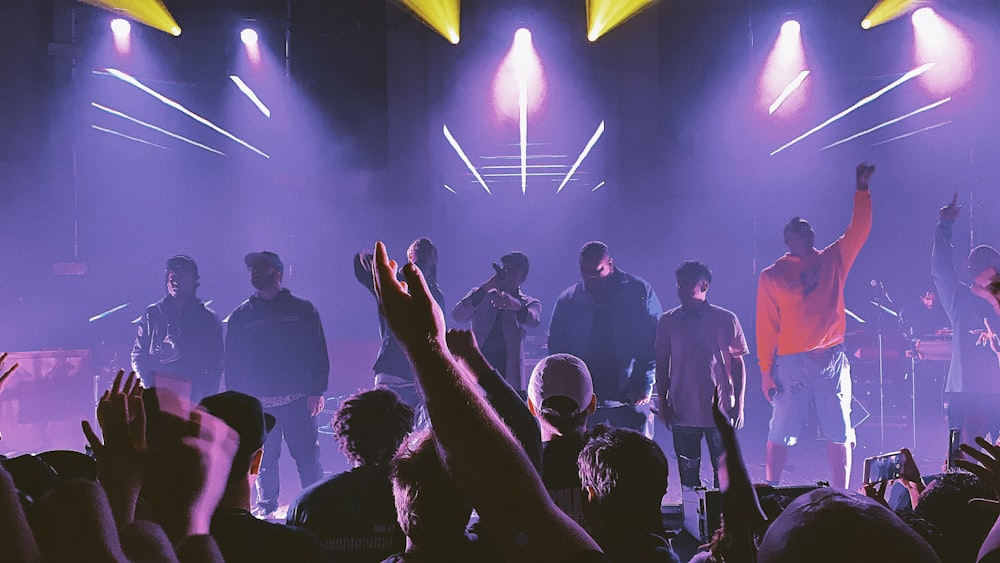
(248, 36)
(120, 27)
(522, 36)
(791, 27)
(924, 17)
(866, 23)
(935, 39)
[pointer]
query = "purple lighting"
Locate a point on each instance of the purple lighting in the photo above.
(937, 40)
(784, 71)
(122, 32)
(120, 26)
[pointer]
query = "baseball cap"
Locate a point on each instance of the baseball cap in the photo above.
(517, 259)
(242, 413)
(561, 375)
(264, 256)
(182, 263)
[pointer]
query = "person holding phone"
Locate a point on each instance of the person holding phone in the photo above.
(501, 314)
(800, 337)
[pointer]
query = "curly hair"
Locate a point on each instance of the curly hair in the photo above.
(369, 426)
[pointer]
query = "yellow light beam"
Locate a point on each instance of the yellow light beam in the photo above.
(886, 10)
(442, 16)
(150, 12)
(605, 15)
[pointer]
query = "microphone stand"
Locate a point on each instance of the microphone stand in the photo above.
(879, 292)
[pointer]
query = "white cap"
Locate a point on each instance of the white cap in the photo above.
(561, 375)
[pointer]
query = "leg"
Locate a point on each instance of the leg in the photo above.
(790, 410)
(687, 446)
(840, 463)
(303, 441)
(833, 410)
(775, 463)
(715, 451)
(268, 480)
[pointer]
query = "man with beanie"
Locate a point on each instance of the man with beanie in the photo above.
(276, 351)
(178, 344)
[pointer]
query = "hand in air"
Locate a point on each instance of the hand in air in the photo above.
(413, 315)
(950, 212)
(864, 174)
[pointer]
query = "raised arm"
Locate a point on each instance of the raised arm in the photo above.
(942, 267)
(481, 455)
(861, 217)
(501, 396)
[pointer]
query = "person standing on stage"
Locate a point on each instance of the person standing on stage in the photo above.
(276, 351)
(800, 337)
(501, 315)
(178, 344)
(392, 368)
(972, 390)
(699, 353)
(608, 320)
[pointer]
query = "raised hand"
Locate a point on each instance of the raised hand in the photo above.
(413, 315)
(950, 212)
(4, 375)
(120, 457)
(863, 175)
(988, 466)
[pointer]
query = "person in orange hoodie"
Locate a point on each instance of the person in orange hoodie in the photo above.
(800, 337)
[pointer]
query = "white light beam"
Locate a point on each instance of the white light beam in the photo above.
(129, 137)
(522, 107)
(912, 133)
(465, 159)
(129, 79)
(586, 150)
(100, 316)
(867, 99)
(117, 113)
(792, 86)
(888, 123)
(249, 93)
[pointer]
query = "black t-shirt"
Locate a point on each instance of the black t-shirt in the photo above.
(353, 515)
(241, 537)
(561, 475)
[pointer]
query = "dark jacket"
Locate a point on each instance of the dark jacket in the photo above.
(974, 367)
(632, 310)
(391, 359)
(186, 344)
(276, 347)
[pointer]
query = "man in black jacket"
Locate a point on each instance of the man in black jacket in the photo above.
(178, 344)
(276, 351)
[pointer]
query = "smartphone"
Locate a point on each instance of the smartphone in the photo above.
(954, 451)
(885, 467)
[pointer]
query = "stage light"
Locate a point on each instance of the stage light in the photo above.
(249, 93)
(447, 187)
(935, 39)
(131, 80)
(884, 11)
(785, 69)
(522, 62)
(605, 15)
(598, 186)
(443, 16)
(248, 36)
(121, 31)
(586, 150)
(893, 121)
(468, 163)
(107, 313)
(863, 101)
(150, 12)
(120, 27)
(142, 123)
(519, 76)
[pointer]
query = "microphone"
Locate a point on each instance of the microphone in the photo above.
(877, 284)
